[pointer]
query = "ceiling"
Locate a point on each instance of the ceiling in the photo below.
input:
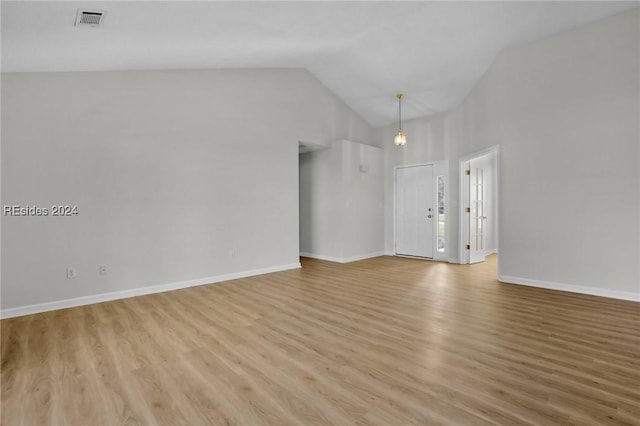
(364, 52)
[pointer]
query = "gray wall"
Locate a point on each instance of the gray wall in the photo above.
(172, 173)
(341, 207)
(565, 112)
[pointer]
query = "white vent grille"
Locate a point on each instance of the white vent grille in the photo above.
(90, 18)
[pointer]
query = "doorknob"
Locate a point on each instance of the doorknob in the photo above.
(429, 216)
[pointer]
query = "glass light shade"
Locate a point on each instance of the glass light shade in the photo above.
(400, 139)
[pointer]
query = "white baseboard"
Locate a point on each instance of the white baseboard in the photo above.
(320, 257)
(448, 259)
(124, 294)
(343, 259)
(594, 291)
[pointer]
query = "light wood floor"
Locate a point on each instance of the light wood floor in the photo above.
(383, 341)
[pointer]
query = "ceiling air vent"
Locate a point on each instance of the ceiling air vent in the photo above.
(90, 18)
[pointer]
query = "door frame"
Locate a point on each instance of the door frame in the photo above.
(463, 221)
(443, 167)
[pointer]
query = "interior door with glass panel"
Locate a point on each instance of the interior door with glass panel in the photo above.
(477, 196)
(415, 212)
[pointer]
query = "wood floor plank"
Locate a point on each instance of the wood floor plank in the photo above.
(383, 341)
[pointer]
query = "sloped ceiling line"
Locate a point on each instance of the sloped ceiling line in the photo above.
(365, 52)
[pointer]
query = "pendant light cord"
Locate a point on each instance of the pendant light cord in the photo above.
(400, 96)
(399, 113)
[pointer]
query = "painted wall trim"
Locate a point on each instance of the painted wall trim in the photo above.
(447, 260)
(124, 294)
(344, 259)
(593, 291)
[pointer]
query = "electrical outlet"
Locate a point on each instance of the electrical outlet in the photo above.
(71, 273)
(102, 269)
(232, 253)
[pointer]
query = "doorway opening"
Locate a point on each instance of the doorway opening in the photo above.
(479, 205)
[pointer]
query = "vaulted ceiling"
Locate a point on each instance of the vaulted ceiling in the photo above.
(365, 52)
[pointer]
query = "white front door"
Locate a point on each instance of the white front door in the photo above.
(415, 212)
(477, 197)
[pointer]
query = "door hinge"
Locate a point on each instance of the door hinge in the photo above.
(468, 247)
(468, 209)
(467, 172)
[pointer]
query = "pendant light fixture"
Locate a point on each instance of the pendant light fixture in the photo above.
(400, 139)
